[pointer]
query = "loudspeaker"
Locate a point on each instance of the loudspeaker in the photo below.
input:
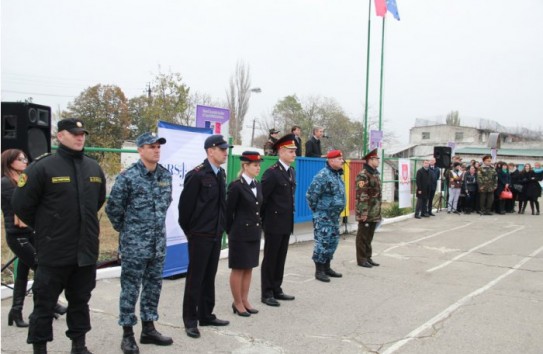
(443, 156)
(26, 126)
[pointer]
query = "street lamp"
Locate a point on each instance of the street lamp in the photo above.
(255, 90)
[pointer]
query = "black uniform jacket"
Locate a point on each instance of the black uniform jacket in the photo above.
(243, 222)
(202, 204)
(278, 188)
(313, 148)
(60, 199)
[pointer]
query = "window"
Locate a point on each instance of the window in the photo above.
(425, 135)
(458, 136)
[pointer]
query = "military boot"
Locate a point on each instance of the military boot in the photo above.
(320, 273)
(40, 348)
(149, 335)
(330, 272)
(128, 344)
(79, 347)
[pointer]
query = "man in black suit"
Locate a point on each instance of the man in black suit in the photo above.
(202, 216)
(424, 186)
(297, 131)
(313, 145)
(278, 187)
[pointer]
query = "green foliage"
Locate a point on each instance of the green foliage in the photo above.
(394, 210)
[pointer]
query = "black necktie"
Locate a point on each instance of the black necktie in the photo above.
(252, 184)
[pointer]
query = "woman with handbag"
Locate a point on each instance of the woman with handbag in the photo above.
(504, 181)
(516, 186)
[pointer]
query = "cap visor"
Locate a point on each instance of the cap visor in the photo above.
(225, 146)
(77, 131)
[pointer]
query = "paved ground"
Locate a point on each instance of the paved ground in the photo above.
(447, 284)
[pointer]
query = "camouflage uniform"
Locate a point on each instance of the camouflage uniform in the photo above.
(368, 203)
(268, 147)
(326, 198)
(137, 209)
(487, 181)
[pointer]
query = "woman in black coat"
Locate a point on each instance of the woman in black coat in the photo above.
(244, 228)
(504, 181)
(531, 189)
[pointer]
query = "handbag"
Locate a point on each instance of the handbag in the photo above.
(506, 194)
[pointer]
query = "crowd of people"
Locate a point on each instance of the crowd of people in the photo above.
(480, 187)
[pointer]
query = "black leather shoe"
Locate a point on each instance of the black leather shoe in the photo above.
(283, 296)
(432, 214)
(270, 301)
(252, 311)
(417, 217)
(129, 345)
(425, 215)
(149, 335)
(193, 332)
(367, 264)
(240, 313)
(370, 261)
(214, 322)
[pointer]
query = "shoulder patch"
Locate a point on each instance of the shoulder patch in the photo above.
(22, 180)
(43, 156)
(199, 167)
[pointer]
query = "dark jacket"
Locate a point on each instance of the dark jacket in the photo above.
(313, 148)
(202, 204)
(424, 183)
(503, 179)
(60, 201)
(8, 186)
(278, 188)
(243, 222)
(434, 173)
(298, 142)
(531, 189)
(470, 183)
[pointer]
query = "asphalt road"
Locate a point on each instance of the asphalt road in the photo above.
(448, 284)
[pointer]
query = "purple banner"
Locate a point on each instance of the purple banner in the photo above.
(212, 115)
(376, 137)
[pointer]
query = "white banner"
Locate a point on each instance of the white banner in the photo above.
(404, 177)
(184, 150)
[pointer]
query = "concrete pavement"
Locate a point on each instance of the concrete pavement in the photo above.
(447, 284)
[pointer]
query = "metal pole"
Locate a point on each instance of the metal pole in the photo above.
(381, 79)
(365, 148)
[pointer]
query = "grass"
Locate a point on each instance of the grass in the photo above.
(109, 243)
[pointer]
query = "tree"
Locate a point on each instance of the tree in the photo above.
(104, 110)
(453, 118)
(238, 95)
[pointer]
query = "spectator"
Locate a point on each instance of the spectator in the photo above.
(272, 139)
(313, 145)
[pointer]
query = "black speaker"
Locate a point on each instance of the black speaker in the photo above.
(443, 156)
(26, 126)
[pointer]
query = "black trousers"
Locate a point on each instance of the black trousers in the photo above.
(431, 201)
(77, 283)
(273, 263)
(199, 298)
(22, 245)
(420, 207)
(364, 237)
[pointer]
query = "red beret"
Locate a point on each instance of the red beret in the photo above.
(250, 156)
(333, 154)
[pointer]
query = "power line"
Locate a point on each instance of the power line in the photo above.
(37, 93)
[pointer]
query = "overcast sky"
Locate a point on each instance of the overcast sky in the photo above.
(483, 58)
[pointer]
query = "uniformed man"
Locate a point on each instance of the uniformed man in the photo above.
(272, 139)
(59, 196)
(278, 187)
(368, 208)
(487, 180)
(202, 216)
(137, 207)
(326, 199)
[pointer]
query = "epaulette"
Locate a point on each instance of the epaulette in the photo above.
(43, 156)
(199, 167)
(275, 165)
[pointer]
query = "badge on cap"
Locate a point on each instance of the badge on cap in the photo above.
(79, 125)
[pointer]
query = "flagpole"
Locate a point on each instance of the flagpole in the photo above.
(365, 149)
(381, 78)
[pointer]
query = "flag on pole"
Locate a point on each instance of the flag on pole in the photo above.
(380, 8)
(392, 7)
